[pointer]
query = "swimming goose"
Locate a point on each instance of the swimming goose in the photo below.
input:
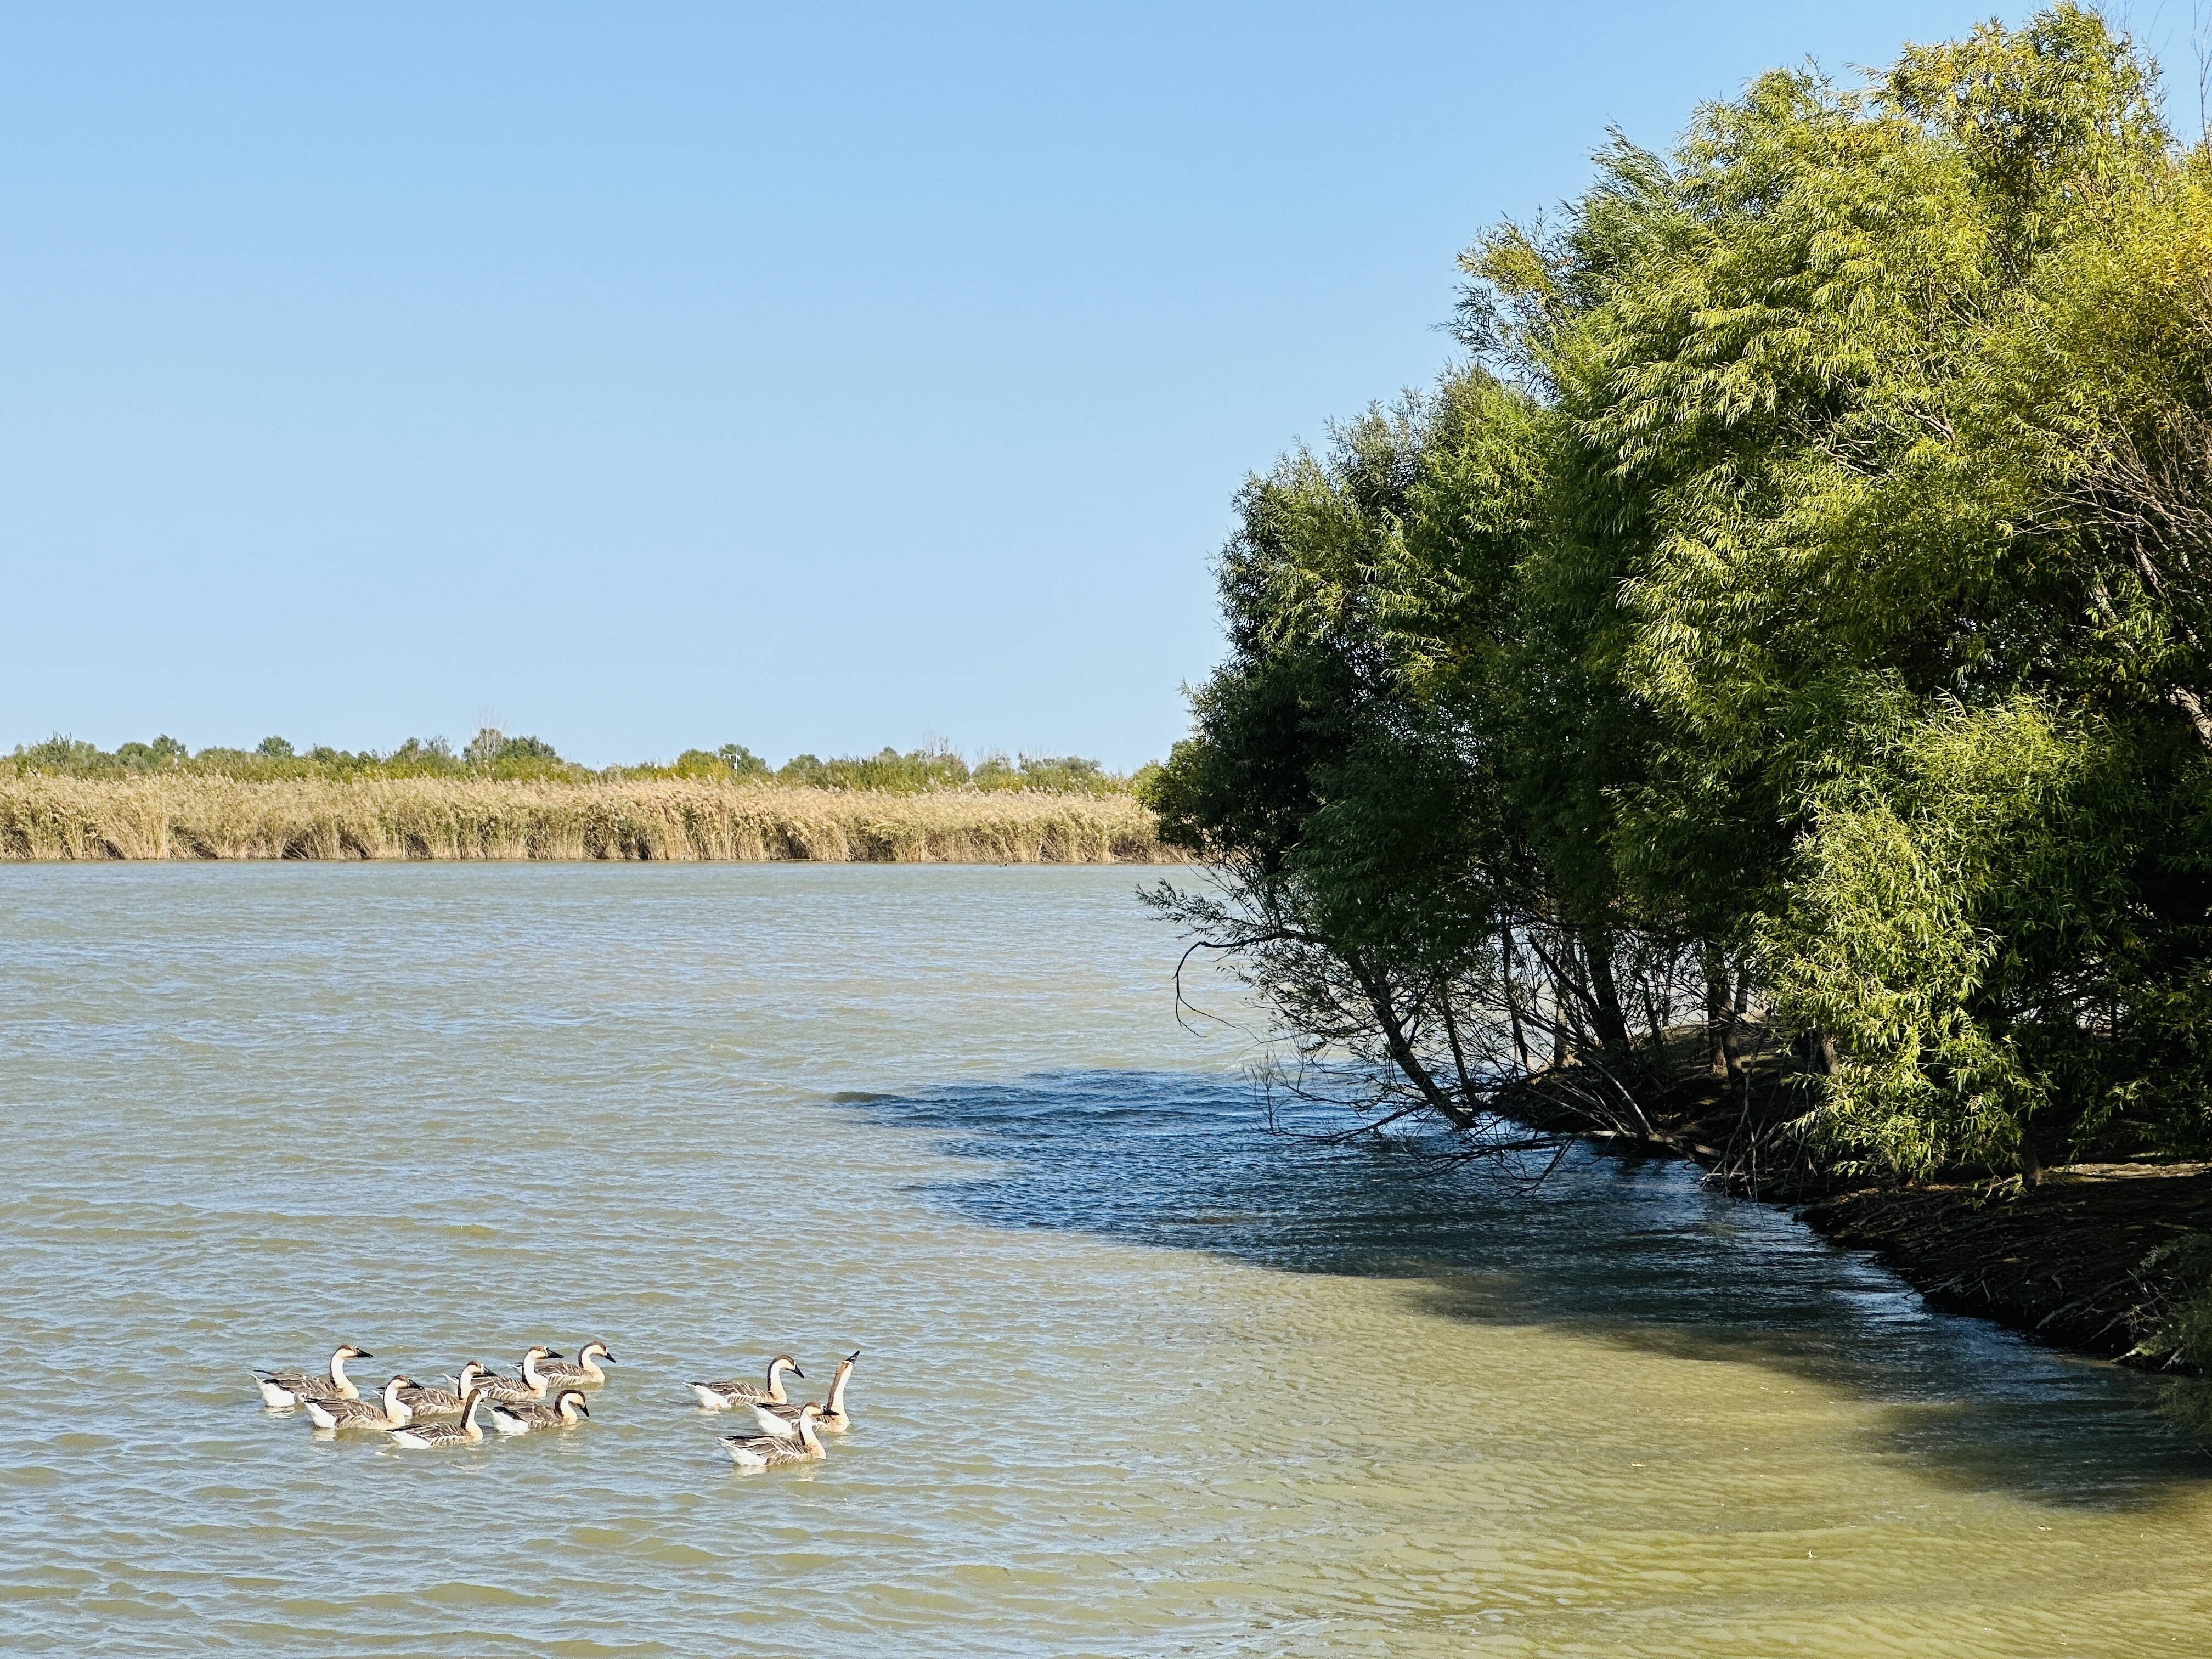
(522, 1418)
(530, 1386)
(465, 1432)
(765, 1451)
(783, 1420)
(393, 1413)
(720, 1396)
(280, 1389)
(442, 1402)
(584, 1369)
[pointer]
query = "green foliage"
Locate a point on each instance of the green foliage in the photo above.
(2186, 1333)
(1816, 575)
(1065, 775)
(1359, 761)
(68, 757)
(918, 771)
(912, 772)
(493, 753)
(420, 758)
(2174, 1327)
(699, 764)
(65, 755)
(164, 751)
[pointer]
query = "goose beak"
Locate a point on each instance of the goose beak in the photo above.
(583, 1411)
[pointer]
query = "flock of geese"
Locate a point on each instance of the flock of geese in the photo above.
(548, 1392)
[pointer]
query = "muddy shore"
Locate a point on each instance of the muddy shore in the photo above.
(2064, 1261)
(2068, 1260)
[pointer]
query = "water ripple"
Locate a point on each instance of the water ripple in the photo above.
(1136, 1378)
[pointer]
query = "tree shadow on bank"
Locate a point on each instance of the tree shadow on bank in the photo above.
(1622, 1250)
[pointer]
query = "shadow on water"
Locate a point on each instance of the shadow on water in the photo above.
(1630, 1251)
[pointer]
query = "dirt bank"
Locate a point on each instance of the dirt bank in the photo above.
(2066, 1260)
(2063, 1261)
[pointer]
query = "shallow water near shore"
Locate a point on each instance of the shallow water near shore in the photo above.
(1136, 1377)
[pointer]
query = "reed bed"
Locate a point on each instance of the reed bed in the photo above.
(44, 817)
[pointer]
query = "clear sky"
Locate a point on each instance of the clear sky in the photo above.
(805, 376)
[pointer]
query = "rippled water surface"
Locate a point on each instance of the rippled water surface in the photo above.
(1136, 1378)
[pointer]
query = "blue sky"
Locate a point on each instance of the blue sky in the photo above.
(808, 377)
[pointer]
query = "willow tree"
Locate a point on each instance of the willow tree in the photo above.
(1805, 582)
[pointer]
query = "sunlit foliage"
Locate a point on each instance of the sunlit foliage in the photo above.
(1797, 605)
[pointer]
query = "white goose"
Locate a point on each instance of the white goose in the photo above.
(281, 1389)
(720, 1396)
(766, 1451)
(393, 1413)
(523, 1418)
(467, 1431)
(532, 1383)
(582, 1371)
(443, 1402)
(783, 1420)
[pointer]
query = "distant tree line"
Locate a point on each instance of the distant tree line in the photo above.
(1791, 623)
(492, 754)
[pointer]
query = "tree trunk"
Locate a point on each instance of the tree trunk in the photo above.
(1605, 994)
(1377, 990)
(2193, 706)
(1513, 1001)
(1717, 1010)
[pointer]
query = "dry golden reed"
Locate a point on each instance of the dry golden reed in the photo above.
(46, 816)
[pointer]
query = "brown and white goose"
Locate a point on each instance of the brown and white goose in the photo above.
(467, 1432)
(443, 1402)
(783, 1420)
(531, 1385)
(766, 1451)
(583, 1371)
(391, 1412)
(524, 1418)
(280, 1389)
(720, 1396)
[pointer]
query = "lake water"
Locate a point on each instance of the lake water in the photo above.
(1136, 1376)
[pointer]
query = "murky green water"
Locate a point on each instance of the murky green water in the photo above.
(1136, 1379)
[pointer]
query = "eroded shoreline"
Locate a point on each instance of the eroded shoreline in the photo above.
(2071, 1261)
